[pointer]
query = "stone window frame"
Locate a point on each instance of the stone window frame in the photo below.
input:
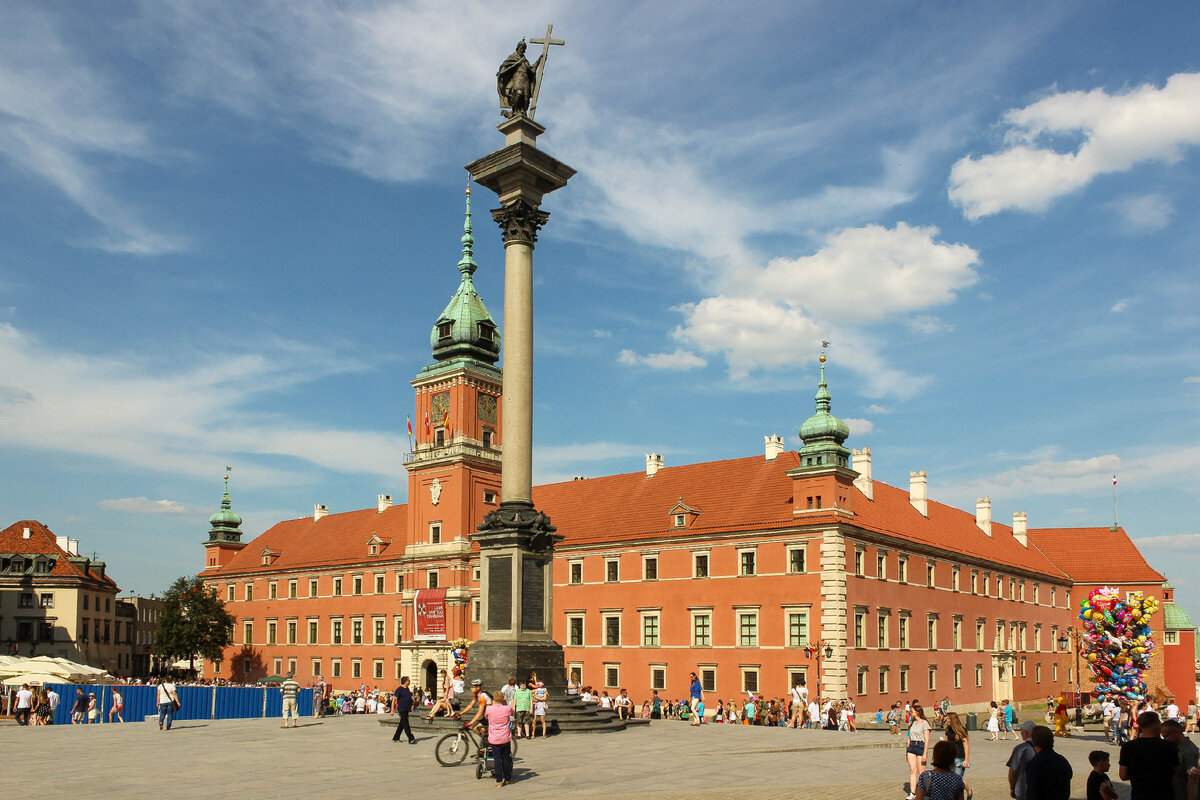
(607, 637)
(272, 590)
(746, 611)
(958, 676)
(881, 564)
(314, 628)
(647, 560)
(752, 552)
(861, 684)
(612, 675)
(802, 550)
(883, 678)
(931, 631)
(658, 670)
(575, 570)
(612, 570)
(904, 687)
(646, 615)
(707, 556)
(860, 627)
(706, 612)
(572, 618)
(956, 632)
(804, 609)
(316, 667)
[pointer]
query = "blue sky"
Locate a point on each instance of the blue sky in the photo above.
(229, 226)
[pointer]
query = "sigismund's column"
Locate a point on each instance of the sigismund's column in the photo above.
(516, 541)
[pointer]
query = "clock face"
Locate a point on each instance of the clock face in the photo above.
(441, 406)
(487, 408)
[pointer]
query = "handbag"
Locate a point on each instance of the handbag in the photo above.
(175, 705)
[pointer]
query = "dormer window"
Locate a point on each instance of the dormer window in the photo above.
(374, 549)
(486, 331)
(680, 520)
(683, 515)
(444, 329)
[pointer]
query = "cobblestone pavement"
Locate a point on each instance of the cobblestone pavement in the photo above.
(354, 757)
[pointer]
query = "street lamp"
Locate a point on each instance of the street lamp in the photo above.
(823, 651)
(1070, 635)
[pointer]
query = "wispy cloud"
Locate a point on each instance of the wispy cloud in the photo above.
(61, 122)
(1120, 305)
(144, 505)
(678, 360)
(858, 427)
(182, 419)
(1146, 213)
(1170, 543)
(1117, 132)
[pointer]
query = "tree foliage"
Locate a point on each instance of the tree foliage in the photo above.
(193, 622)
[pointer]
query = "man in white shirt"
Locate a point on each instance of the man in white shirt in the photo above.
(167, 698)
(53, 699)
(1172, 710)
(24, 704)
(814, 714)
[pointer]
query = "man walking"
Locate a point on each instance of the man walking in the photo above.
(53, 699)
(1148, 762)
(1189, 755)
(1009, 717)
(290, 688)
(1018, 760)
(404, 704)
(522, 706)
(697, 694)
(1048, 774)
(320, 701)
(24, 704)
(167, 698)
(499, 736)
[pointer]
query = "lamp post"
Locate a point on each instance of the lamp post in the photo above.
(821, 650)
(1073, 636)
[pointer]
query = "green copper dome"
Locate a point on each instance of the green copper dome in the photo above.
(465, 328)
(225, 523)
(1175, 618)
(823, 433)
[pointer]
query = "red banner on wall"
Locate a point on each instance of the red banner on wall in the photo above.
(430, 616)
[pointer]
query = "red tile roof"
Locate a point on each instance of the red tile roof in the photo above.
(333, 539)
(1095, 555)
(42, 541)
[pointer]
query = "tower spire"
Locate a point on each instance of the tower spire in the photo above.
(467, 265)
(823, 433)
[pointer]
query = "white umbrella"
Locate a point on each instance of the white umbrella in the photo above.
(42, 678)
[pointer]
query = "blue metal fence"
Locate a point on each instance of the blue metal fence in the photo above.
(196, 702)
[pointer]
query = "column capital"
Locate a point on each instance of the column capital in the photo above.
(520, 222)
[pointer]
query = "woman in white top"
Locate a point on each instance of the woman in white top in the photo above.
(799, 703)
(918, 747)
(993, 723)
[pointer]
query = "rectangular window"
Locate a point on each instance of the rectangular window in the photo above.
(1170, 637)
(612, 570)
(272, 590)
(358, 584)
(399, 582)
(883, 623)
(701, 630)
(475, 607)
(978, 675)
(612, 676)
(749, 680)
(862, 680)
(931, 633)
(701, 565)
(903, 638)
(903, 571)
(650, 568)
(650, 630)
(247, 633)
(932, 678)
(270, 632)
(356, 631)
(399, 621)
(859, 558)
(957, 632)
(380, 633)
(575, 631)
(336, 633)
(576, 571)
(277, 664)
(46, 600)
(1037, 673)
(312, 587)
(748, 629)
(316, 667)
(379, 583)
(612, 631)
(291, 666)
(860, 635)
(1037, 638)
(397, 666)
(435, 533)
(979, 625)
(904, 680)
(883, 680)
(291, 632)
(1054, 673)
(1022, 666)
(249, 593)
(337, 587)
(930, 572)
(658, 677)
(746, 561)
(797, 622)
(954, 578)
(229, 593)
(336, 666)
(312, 631)
(958, 676)
(796, 559)
(356, 668)
(708, 679)
(431, 579)
(378, 664)
(974, 582)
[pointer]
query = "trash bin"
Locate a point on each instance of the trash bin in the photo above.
(972, 722)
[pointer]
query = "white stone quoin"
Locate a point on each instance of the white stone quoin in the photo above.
(918, 487)
(983, 514)
(1020, 529)
(861, 461)
(774, 445)
(654, 463)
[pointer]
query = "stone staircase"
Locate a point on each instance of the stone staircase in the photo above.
(567, 715)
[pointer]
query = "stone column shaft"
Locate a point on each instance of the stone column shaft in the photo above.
(517, 459)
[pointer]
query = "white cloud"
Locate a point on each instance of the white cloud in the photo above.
(877, 409)
(1117, 132)
(1173, 543)
(602, 334)
(144, 505)
(1120, 306)
(61, 122)
(183, 419)
(858, 427)
(929, 324)
(679, 360)
(1144, 213)
(1192, 379)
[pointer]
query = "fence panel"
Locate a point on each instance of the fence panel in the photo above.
(196, 702)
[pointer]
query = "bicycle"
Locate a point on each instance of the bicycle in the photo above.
(452, 749)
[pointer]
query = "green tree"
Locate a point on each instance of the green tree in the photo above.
(193, 622)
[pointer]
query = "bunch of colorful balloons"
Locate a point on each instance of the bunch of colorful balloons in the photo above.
(459, 649)
(1117, 640)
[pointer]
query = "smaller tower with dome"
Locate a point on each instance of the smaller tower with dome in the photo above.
(224, 534)
(824, 478)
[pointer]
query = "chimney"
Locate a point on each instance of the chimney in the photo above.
(774, 444)
(385, 502)
(983, 514)
(918, 485)
(25, 534)
(654, 463)
(319, 510)
(61, 541)
(73, 546)
(1020, 521)
(861, 461)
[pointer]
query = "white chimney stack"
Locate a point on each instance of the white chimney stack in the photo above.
(774, 444)
(918, 486)
(26, 533)
(654, 463)
(861, 461)
(1020, 529)
(319, 510)
(983, 514)
(385, 502)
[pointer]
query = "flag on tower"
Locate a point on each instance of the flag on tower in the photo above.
(409, 425)
(1114, 480)
(426, 423)
(446, 420)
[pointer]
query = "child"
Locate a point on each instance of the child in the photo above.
(700, 712)
(1099, 787)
